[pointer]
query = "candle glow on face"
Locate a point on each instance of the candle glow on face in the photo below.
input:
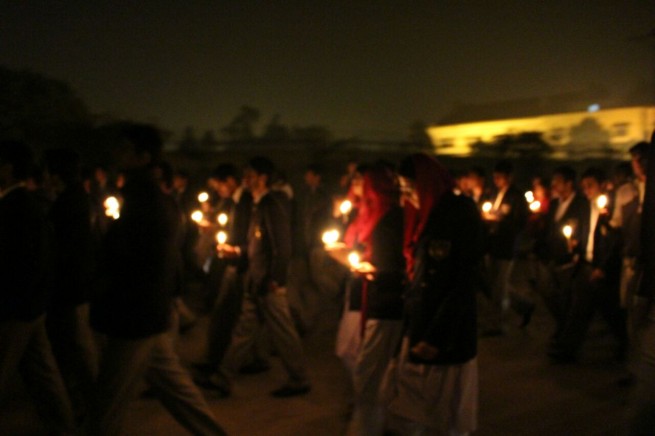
(354, 259)
(487, 206)
(330, 237)
(602, 201)
(112, 207)
(203, 197)
(567, 231)
(221, 237)
(222, 219)
(345, 207)
(197, 216)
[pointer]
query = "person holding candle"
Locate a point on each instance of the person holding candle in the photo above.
(436, 377)
(553, 268)
(134, 309)
(379, 268)
(268, 251)
(595, 284)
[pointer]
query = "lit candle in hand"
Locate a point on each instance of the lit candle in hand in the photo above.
(330, 237)
(567, 230)
(487, 206)
(197, 216)
(345, 207)
(112, 207)
(203, 197)
(535, 206)
(221, 237)
(529, 197)
(354, 259)
(602, 201)
(222, 219)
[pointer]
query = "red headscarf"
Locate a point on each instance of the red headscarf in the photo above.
(432, 181)
(378, 197)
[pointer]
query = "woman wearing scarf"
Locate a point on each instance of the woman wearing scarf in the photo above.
(377, 234)
(436, 389)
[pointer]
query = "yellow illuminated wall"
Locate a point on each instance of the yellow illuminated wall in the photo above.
(618, 128)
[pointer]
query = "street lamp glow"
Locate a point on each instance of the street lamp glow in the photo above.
(222, 219)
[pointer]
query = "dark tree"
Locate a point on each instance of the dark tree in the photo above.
(242, 126)
(276, 131)
(208, 140)
(189, 140)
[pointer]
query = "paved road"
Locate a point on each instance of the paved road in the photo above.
(521, 392)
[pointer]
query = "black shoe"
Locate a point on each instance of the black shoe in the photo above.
(291, 391)
(527, 317)
(256, 367)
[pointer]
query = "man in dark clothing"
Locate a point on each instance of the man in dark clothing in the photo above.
(265, 301)
(554, 266)
(505, 220)
(25, 271)
(134, 310)
(75, 249)
(595, 283)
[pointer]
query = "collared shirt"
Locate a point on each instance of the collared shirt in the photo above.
(563, 206)
(593, 221)
(12, 188)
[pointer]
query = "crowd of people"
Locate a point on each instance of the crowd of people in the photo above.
(424, 263)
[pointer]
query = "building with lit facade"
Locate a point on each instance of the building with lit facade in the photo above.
(596, 132)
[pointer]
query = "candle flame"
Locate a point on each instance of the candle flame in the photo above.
(567, 231)
(112, 207)
(345, 207)
(222, 219)
(203, 197)
(602, 201)
(535, 206)
(197, 216)
(487, 206)
(221, 237)
(330, 237)
(354, 259)
(529, 197)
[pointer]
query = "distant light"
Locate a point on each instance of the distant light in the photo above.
(593, 107)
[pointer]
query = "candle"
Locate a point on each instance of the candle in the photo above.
(345, 207)
(112, 207)
(567, 230)
(221, 237)
(602, 201)
(535, 206)
(197, 216)
(354, 259)
(330, 237)
(203, 197)
(222, 219)
(487, 206)
(529, 196)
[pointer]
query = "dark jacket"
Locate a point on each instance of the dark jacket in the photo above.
(607, 246)
(269, 243)
(513, 216)
(25, 257)
(384, 293)
(75, 246)
(140, 259)
(440, 300)
(237, 227)
(551, 245)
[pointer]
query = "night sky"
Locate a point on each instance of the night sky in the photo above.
(364, 68)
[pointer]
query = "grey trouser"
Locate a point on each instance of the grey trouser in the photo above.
(24, 348)
(271, 310)
(125, 362)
